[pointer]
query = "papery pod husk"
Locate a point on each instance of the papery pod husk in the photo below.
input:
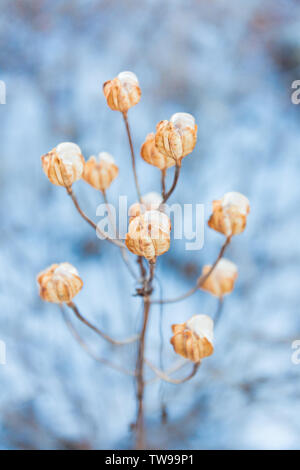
(99, 174)
(217, 286)
(229, 221)
(140, 241)
(151, 154)
(59, 288)
(118, 97)
(174, 144)
(189, 345)
(58, 172)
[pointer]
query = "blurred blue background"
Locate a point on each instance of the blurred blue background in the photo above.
(231, 65)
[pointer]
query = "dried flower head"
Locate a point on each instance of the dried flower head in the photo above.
(176, 138)
(149, 234)
(221, 281)
(151, 154)
(122, 92)
(59, 283)
(64, 164)
(194, 338)
(100, 172)
(230, 214)
(150, 201)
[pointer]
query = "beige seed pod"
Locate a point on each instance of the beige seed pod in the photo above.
(59, 283)
(229, 214)
(64, 164)
(176, 138)
(100, 172)
(151, 154)
(194, 338)
(149, 234)
(221, 281)
(150, 201)
(122, 92)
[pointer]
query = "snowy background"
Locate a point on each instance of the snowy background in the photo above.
(231, 64)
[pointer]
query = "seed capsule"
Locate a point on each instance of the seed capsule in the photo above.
(194, 338)
(221, 281)
(59, 283)
(122, 92)
(149, 234)
(64, 164)
(229, 214)
(100, 172)
(176, 138)
(151, 154)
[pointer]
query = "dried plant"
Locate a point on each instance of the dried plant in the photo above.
(149, 236)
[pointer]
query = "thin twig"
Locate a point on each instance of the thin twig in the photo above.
(171, 190)
(99, 332)
(125, 117)
(163, 376)
(199, 282)
(176, 367)
(163, 183)
(90, 222)
(82, 343)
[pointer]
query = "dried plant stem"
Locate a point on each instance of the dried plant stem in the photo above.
(87, 349)
(176, 367)
(99, 332)
(163, 183)
(200, 281)
(89, 221)
(147, 284)
(125, 117)
(140, 431)
(163, 376)
(175, 181)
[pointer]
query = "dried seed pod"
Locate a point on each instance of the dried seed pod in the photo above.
(59, 283)
(176, 138)
(194, 338)
(64, 164)
(230, 214)
(151, 154)
(221, 281)
(100, 172)
(122, 92)
(150, 201)
(149, 234)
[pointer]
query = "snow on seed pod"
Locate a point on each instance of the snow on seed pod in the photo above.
(229, 214)
(176, 138)
(194, 338)
(100, 172)
(64, 164)
(122, 92)
(59, 283)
